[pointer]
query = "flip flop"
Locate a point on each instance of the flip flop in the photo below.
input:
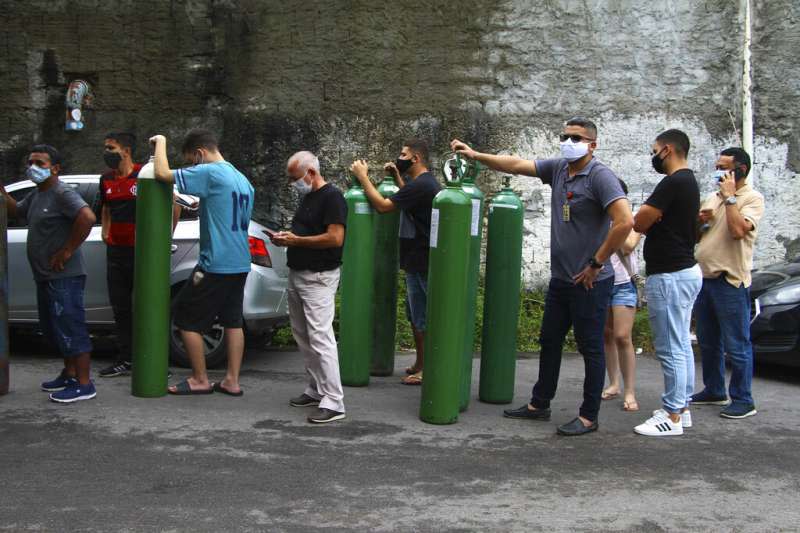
(182, 388)
(217, 387)
(630, 406)
(607, 396)
(413, 379)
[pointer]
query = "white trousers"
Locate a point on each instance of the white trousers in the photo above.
(311, 309)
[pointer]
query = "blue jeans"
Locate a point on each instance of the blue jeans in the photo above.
(417, 299)
(670, 298)
(61, 314)
(723, 326)
(568, 305)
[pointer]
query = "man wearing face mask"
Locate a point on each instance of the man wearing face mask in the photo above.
(415, 200)
(668, 217)
(725, 254)
(118, 217)
(587, 200)
(314, 256)
(215, 290)
(58, 223)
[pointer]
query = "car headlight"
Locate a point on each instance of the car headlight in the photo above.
(781, 296)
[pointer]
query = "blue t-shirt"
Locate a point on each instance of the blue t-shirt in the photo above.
(226, 203)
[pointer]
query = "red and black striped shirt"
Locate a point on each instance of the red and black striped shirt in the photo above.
(119, 194)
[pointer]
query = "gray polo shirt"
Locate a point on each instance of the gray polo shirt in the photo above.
(50, 216)
(588, 194)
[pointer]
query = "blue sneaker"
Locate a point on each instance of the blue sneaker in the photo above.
(75, 393)
(60, 383)
(705, 398)
(738, 410)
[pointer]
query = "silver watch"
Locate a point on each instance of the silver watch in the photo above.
(731, 200)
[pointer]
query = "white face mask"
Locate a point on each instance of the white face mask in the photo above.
(301, 186)
(572, 151)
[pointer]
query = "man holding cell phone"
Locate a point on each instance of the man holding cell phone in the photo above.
(729, 220)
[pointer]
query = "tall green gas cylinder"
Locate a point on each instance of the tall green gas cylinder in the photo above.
(475, 233)
(385, 299)
(447, 300)
(357, 284)
(501, 297)
(151, 285)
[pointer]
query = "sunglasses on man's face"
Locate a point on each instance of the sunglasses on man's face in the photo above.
(575, 137)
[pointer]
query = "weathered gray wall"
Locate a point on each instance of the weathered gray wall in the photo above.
(354, 78)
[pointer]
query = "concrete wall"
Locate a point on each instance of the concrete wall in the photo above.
(352, 79)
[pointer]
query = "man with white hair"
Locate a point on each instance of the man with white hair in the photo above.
(314, 256)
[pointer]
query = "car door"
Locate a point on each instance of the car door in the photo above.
(21, 286)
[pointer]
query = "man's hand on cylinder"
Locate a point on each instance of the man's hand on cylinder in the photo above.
(461, 148)
(360, 170)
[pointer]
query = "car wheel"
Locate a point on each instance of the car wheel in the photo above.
(213, 342)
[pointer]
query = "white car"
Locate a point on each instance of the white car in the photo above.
(265, 304)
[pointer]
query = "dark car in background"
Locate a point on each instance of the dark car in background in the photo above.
(775, 324)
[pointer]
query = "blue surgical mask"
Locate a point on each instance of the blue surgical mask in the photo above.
(717, 176)
(37, 174)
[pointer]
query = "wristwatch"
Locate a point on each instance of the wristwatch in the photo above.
(594, 263)
(731, 200)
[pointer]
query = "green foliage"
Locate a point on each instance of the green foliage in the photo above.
(528, 325)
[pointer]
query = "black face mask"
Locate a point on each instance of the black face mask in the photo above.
(112, 159)
(403, 165)
(658, 164)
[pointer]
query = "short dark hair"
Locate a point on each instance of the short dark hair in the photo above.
(55, 155)
(740, 157)
(419, 147)
(677, 139)
(584, 123)
(624, 186)
(199, 138)
(124, 139)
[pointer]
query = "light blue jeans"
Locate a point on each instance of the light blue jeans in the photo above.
(670, 298)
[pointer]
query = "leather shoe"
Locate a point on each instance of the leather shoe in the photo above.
(576, 427)
(524, 412)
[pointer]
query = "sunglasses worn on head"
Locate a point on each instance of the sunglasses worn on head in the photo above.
(575, 138)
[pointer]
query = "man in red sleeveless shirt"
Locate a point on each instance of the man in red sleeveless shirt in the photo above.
(118, 216)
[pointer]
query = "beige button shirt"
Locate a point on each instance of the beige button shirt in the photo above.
(720, 253)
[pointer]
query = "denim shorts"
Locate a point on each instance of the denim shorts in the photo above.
(62, 316)
(416, 299)
(624, 294)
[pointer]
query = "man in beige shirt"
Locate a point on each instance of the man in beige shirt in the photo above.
(729, 221)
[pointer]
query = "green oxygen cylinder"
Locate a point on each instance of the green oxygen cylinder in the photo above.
(151, 287)
(357, 283)
(447, 300)
(386, 265)
(475, 233)
(501, 297)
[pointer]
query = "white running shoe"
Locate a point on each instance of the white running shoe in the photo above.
(659, 425)
(686, 418)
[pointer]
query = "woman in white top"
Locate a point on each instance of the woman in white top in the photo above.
(618, 334)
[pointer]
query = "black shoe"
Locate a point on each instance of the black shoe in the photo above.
(323, 416)
(576, 427)
(524, 412)
(304, 400)
(117, 369)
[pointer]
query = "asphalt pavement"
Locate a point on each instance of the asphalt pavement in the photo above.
(218, 463)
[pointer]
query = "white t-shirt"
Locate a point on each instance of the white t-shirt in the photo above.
(621, 275)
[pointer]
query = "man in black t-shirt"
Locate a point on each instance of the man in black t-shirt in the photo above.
(415, 200)
(314, 255)
(668, 217)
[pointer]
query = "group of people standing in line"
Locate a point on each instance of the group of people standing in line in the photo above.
(696, 257)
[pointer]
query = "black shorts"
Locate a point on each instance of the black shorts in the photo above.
(207, 296)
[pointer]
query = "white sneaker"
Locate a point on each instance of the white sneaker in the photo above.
(659, 425)
(686, 418)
